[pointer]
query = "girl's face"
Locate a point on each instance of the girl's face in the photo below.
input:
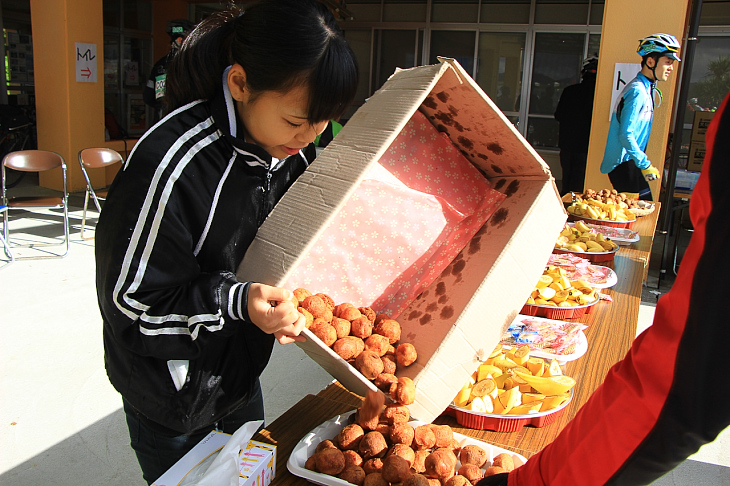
(277, 122)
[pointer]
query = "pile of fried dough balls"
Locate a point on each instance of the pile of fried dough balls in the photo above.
(392, 451)
(366, 340)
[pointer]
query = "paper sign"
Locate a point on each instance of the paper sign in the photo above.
(623, 73)
(85, 63)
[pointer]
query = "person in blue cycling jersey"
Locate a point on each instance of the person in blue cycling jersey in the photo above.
(624, 159)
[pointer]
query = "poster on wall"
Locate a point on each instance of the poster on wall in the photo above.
(623, 73)
(86, 62)
(137, 111)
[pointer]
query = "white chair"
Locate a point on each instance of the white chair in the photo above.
(6, 247)
(36, 161)
(95, 158)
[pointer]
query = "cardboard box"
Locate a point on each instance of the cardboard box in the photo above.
(257, 464)
(700, 123)
(696, 156)
(686, 180)
(460, 316)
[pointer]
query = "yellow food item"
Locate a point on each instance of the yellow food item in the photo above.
(462, 398)
(521, 354)
(485, 370)
(547, 293)
(478, 405)
(483, 388)
(505, 401)
(536, 366)
(526, 408)
(549, 385)
(531, 397)
(553, 369)
(544, 281)
(554, 401)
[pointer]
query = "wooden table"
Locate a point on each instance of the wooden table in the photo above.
(611, 330)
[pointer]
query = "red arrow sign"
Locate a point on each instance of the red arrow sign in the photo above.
(86, 72)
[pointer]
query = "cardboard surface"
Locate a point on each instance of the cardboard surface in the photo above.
(700, 122)
(696, 156)
(460, 317)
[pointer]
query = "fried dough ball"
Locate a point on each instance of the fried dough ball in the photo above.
(416, 480)
(352, 458)
(395, 469)
(348, 347)
(328, 301)
(308, 318)
(492, 470)
(389, 328)
(362, 327)
(423, 437)
(373, 465)
(402, 434)
(353, 474)
(384, 380)
(368, 415)
(373, 444)
(419, 460)
(457, 481)
(330, 461)
(350, 313)
(504, 461)
(396, 413)
(473, 454)
(324, 331)
(342, 326)
(472, 472)
(380, 317)
(325, 444)
(300, 294)
(339, 308)
(389, 363)
(311, 463)
(368, 312)
(350, 436)
(375, 479)
(405, 354)
(369, 364)
(404, 451)
(444, 436)
(455, 446)
(404, 391)
(377, 343)
(315, 305)
(440, 464)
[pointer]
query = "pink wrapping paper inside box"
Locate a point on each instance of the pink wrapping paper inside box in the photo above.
(410, 216)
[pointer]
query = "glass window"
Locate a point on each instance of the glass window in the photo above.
(556, 64)
(396, 49)
(561, 12)
(137, 15)
(454, 10)
(111, 13)
(596, 12)
(499, 67)
(359, 41)
(455, 44)
(505, 11)
(710, 77)
(715, 12)
(594, 44)
(404, 10)
(364, 10)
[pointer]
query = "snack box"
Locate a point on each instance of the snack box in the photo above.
(257, 462)
(461, 314)
(329, 429)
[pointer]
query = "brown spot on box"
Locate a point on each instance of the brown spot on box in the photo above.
(447, 312)
(443, 96)
(512, 188)
(440, 288)
(499, 217)
(495, 148)
(496, 168)
(425, 319)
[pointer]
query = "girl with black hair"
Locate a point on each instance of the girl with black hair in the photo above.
(185, 342)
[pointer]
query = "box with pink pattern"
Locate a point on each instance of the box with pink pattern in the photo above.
(428, 206)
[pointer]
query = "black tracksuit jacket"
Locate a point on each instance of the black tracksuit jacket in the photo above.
(177, 222)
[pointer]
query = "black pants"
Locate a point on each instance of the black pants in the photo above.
(574, 171)
(628, 178)
(156, 452)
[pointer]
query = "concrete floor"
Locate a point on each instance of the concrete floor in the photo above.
(61, 419)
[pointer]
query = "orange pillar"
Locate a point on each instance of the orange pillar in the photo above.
(70, 114)
(620, 35)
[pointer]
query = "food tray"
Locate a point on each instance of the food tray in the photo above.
(645, 209)
(621, 236)
(551, 312)
(506, 423)
(329, 429)
(602, 222)
(592, 256)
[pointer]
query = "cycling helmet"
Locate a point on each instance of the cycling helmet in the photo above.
(664, 44)
(179, 28)
(590, 65)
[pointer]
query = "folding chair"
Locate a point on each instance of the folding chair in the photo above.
(36, 161)
(95, 158)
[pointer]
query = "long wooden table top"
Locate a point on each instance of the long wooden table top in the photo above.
(611, 330)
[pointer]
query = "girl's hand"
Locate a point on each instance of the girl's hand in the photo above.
(272, 310)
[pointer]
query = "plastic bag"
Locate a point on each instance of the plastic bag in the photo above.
(223, 470)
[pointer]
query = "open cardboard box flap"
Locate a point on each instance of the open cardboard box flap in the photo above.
(460, 317)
